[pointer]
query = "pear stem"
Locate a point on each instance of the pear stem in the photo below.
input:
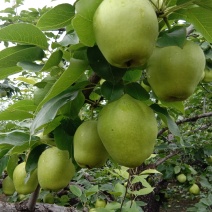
(165, 19)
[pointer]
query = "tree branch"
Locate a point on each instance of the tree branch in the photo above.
(166, 158)
(191, 119)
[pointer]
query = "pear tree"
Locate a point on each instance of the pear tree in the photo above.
(107, 100)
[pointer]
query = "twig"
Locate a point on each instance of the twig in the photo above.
(166, 158)
(192, 119)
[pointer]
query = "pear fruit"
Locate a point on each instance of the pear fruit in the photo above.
(173, 72)
(8, 187)
(55, 169)
(181, 178)
(194, 189)
(21, 183)
(207, 76)
(128, 130)
(125, 31)
(89, 152)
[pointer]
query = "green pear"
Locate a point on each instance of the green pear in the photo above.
(21, 183)
(173, 72)
(55, 169)
(8, 187)
(128, 130)
(89, 152)
(207, 76)
(194, 189)
(181, 178)
(125, 31)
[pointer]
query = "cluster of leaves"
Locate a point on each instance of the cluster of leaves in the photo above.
(68, 80)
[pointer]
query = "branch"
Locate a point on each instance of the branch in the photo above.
(195, 118)
(192, 119)
(166, 158)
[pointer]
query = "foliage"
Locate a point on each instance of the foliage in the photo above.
(54, 77)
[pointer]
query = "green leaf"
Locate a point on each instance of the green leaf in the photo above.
(141, 179)
(143, 191)
(33, 157)
(15, 138)
(201, 18)
(15, 115)
(56, 18)
(207, 4)
(135, 90)
(174, 37)
(50, 108)
(53, 60)
(113, 206)
(176, 105)
(92, 190)
(112, 91)
(9, 57)
(30, 66)
(100, 66)
(12, 163)
(163, 113)
(24, 105)
(150, 171)
(3, 163)
(28, 80)
(132, 75)
(63, 139)
(119, 190)
(75, 190)
(83, 20)
(25, 34)
(5, 72)
(69, 76)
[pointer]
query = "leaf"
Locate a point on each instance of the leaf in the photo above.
(163, 113)
(132, 75)
(207, 4)
(30, 66)
(75, 190)
(27, 80)
(92, 190)
(150, 171)
(15, 115)
(53, 60)
(100, 66)
(50, 108)
(137, 91)
(141, 179)
(143, 191)
(174, 37)
(33, 157)
(63, 139)
(10, 56)
(176, 105)
(14, 138)
(56, 18)
(119, 190)
(7, 71)
(201, 18)
(12, 163)
(25, 34)
(69, 76)
(3, 163)
(112, 92)
(83, 20)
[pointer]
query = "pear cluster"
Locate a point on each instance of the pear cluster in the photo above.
(126, 33)
(126, 131)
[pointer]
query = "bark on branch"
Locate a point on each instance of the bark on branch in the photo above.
(191, 119)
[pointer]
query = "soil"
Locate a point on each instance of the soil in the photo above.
(178, 205)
